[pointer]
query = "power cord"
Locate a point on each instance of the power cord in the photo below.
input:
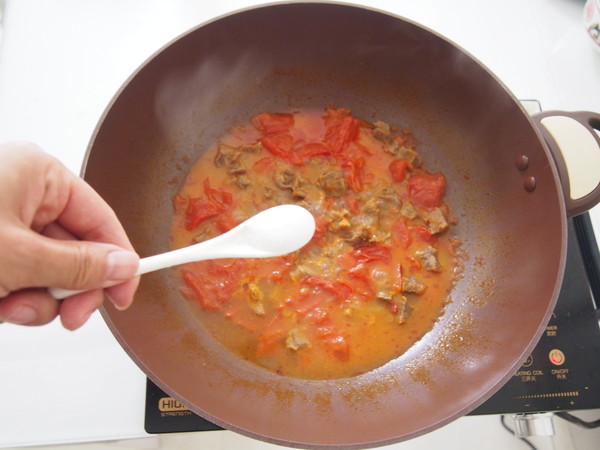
(511, 431)
(577, 421)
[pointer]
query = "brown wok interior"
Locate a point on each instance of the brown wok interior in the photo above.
(382, 67)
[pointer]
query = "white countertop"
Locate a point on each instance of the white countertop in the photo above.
(61, 62)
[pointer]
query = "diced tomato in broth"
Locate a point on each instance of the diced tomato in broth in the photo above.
(398, 169)
(426, 190)
(331, 309)
(271, 123)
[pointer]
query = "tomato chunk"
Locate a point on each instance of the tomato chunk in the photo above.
(271, 123)
(335, 342)
(313, 149)
(400, 234)
(354, 173)
(213, 203)
(426, 190)
(423, 234)
(369, 253)
(342, 129)
(398, 170)
(282, 145)
(338, 288)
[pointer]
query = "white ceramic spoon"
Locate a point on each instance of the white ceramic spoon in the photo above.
(273, 232)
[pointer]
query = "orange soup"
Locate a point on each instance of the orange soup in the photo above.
(374, 278)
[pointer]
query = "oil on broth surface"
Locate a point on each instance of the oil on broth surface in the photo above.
(374, 278)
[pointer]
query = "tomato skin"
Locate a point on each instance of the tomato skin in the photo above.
(369, 253)
(282, 145)
(423, 234)
(398, 170)
(335, 342)
(426, 190)
(318, 316)
(197, 290)
(271, 123)
(199, 209)
(199, 282)
(342, 129)
(264, 165)
(354, 173)
(224, 224)
(400, 234)
(313, 149)
(338, 288)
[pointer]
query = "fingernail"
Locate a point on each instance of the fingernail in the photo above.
(122, 265)
(22, 315)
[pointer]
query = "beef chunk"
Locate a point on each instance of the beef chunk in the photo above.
(362, 235)
(404, 310)
(255, 298)
(410, 155)
(436, 222)
(412, 285)
(339, 220)
(231, 159)
(285, 179)
(408, 210)
(226, 155)
(428, 257)
(297, 339)
(398, 302)
(333, 183)
(382, 132)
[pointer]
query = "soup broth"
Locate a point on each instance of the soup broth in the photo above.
(371, 282)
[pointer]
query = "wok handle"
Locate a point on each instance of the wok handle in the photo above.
(574, 142)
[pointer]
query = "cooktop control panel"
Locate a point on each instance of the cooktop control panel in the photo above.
(563, 371)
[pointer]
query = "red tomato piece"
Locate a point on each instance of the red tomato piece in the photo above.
(401, 235)
(426, 190)
(335, 342)
(264, 165)
(199, 209)
(369, 253)
(423, 234)
(279, 144)
(354, 175)
(225, 224)
(340, 289)
(342, 129)
(312, 149)
(318, 316)
(196, 289)
(398, 170)
(271, 123)
(282, 145)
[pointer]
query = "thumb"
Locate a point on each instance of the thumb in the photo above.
(73, 264)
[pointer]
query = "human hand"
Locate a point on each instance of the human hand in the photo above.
(55, 230)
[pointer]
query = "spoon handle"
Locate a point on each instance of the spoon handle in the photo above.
(156, 262)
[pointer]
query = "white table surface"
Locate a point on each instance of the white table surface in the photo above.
(61, 61)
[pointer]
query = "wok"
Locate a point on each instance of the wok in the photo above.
(511, 213)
